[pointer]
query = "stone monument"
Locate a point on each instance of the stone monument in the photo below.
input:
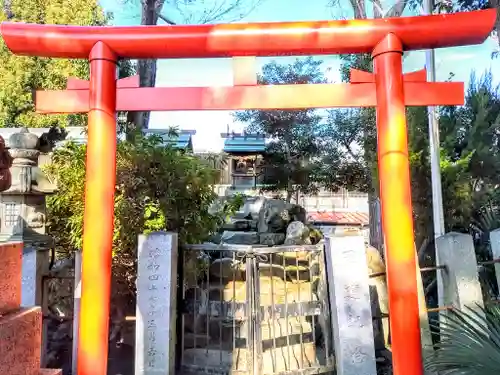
(22, 212)
(348, 282)
(156, 304)
(22, 215)
(461, 284)
(20, 328)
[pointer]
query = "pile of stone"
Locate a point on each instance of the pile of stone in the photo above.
(269, 222)
(216, 330)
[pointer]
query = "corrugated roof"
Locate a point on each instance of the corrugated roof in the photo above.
(339, 218)
(244, 143)
(183, 141)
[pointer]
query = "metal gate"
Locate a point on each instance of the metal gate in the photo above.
(254, 311)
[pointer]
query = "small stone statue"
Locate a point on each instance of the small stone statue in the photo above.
(5, 164)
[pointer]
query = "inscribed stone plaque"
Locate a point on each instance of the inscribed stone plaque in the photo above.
(10, 280)
(156, 304)
(20, 342)
(29, 277)
(461, 284)
(495, 250)
(347, 276)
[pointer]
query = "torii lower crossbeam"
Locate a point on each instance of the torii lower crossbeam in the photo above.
(249, 97)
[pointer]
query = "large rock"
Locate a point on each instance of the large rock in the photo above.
(281, 359)
(379, 297)
(289, 358)
(280, 327)
(297, 233)
(236, 224)
(301, 254)
(276, 214)
(273, 217)
(271, 239)
(297, 213)
(240, 238)
(277, 334)
(227, 269)
(253, 206)
(273, 290)
(221, 360)
(286, 277)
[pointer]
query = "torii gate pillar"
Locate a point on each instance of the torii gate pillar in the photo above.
(99, 212)
(395, 197)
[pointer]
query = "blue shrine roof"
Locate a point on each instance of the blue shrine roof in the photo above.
(244, 143)
(183, 141)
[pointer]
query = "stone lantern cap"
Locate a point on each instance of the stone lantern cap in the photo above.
(27, 177)
(23, 140)
(24, 147)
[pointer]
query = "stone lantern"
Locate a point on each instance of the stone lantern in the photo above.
(5, 164)
(22, 212)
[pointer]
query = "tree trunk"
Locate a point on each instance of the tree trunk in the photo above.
(7, 8)
(147, 78)
(146, 68)
(289, 191)
(496, 4)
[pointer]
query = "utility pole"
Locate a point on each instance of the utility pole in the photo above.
(434, 151)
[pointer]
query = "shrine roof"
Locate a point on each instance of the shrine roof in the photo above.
(244, 143)
(77, 134)
(183, 141)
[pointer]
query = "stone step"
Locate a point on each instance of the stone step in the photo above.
(240, 224)
(10, 279)
(284, 359)
(240, 238)
(272, 291)
(20, 338)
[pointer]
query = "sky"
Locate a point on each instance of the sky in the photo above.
(460, 61)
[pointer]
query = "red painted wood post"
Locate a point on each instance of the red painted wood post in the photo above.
(99, 213)
(397, 214)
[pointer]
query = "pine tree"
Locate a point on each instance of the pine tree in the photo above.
(20, 75)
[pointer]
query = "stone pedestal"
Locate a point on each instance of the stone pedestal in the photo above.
(20, 328)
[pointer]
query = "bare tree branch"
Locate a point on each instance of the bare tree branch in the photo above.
(165, 19)
(359, 8)
(214, 10)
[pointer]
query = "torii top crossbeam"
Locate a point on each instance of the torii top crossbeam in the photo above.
(387, 88)
(259, 39)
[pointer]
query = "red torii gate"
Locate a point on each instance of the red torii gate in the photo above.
(387, 89)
